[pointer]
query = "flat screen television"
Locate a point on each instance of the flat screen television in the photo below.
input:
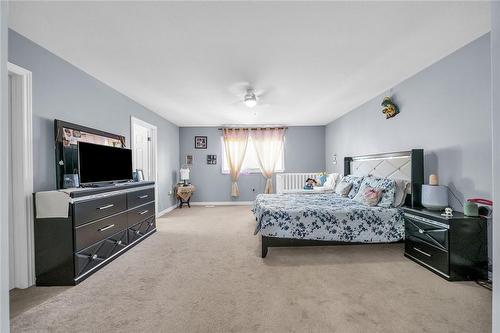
(99, 163)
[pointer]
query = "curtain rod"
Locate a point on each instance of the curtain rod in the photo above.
(254, 128)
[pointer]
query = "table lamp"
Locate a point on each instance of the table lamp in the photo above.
(434, 196)
(184, 172)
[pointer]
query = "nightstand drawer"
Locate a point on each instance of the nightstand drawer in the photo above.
(427, 230)
(427, 254)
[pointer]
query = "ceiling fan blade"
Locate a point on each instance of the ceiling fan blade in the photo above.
(264, 92)
(239, 88)
(236, 102)
(264, 105)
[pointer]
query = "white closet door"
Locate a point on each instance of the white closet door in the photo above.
(142, 150)
(12, 254)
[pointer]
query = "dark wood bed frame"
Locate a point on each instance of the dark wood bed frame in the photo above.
(412, 200)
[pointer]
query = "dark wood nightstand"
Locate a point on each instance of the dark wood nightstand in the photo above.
(454, 248)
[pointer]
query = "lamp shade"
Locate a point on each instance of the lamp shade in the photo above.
(184, 174)
(434, 197)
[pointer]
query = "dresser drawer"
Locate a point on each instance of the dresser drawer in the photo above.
(427, 254)
(141, 197)
(426, 230)
(140, 229)
(94, 232)
(140, 213)
(92, 210)
(92, 256)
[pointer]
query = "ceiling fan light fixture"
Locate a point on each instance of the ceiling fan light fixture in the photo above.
(250, 99)
(250, 102)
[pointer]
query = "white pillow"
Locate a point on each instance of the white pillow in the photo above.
(402, 189)
(331, 180)
(343, 188)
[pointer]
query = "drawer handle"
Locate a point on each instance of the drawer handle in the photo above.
(143, 196)
(436, 230)
(424, 253)
(105, 207)
(421, 231)
(137, 232)
(94, 257)
(416, 218)
(119, 242)
(144, 212)
(106, 227)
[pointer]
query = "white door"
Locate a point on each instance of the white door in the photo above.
(12, 256)
(21, 245)
(142, 149)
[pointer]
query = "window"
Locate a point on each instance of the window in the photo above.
(250, 163)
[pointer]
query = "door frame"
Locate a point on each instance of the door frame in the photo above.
(153, 152)
(22, 182)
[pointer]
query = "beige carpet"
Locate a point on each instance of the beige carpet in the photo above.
(202, 273)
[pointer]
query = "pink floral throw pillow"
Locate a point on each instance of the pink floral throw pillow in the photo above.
(368, 196)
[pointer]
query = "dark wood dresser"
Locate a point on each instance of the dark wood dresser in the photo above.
(103, 223)
(454, 248)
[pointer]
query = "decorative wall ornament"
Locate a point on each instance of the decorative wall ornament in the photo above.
(389, 108)
(212, 159)
(200, 142)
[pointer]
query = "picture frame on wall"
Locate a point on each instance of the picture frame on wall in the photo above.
(189, 159)
(212, 159)
(200, 142)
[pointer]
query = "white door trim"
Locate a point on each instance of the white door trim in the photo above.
(22, 182)
(154, 148)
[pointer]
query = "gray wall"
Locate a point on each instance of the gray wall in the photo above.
(62, 91)
(495, 57)
(304, 152)
(445, 109)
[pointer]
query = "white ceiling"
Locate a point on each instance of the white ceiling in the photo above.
(317, 60)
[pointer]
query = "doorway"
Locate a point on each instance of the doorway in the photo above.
(144, 151)
(20, 152)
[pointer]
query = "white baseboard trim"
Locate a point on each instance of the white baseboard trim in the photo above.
(166, 210)
(222, 203)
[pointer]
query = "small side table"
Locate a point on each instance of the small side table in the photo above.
(455, 248)
(183, 194)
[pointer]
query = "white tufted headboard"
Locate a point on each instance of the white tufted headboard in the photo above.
(407, 165)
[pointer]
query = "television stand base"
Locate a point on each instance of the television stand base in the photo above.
(98, 185)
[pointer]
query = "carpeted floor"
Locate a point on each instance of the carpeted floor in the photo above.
(202, 272)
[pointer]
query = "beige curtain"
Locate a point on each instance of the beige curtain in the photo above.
(235, 146)
(268, 143)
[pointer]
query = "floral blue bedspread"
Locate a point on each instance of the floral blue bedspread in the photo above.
(326, 216)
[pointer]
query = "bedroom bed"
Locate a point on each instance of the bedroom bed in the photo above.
(319, 219)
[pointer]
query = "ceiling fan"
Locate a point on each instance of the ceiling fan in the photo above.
(250, 100)
(250, 97)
